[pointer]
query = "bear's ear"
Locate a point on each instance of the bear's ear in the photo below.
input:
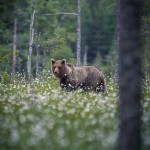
(53, 61)
(63, 61)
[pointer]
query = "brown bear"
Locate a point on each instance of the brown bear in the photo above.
(84, 77)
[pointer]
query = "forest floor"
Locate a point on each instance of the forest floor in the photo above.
(40, 116)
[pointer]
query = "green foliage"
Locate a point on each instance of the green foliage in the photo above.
(73, 61)
(57, 48)
(64, 52)
(4, 77)
(146, 64)
(49, 22)
(99, 28)
(145, 37)
(6, 20)
(53, 44)
(5, 61)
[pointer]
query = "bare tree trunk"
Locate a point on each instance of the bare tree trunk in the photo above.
(79, 34)
(37, 55)
(30, 45)
(14, 48)
(130, 75)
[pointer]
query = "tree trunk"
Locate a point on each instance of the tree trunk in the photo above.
(30, 45)
(14, 48)
(130, 75)
(37, 56)
(79, 34)
(117, 47)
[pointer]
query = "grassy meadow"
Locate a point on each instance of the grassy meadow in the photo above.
(39, 116)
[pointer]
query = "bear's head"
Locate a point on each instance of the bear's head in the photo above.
(59, 68)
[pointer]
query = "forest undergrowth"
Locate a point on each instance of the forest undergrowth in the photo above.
(40, 116)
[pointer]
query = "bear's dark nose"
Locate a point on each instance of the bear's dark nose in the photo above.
(55, 72)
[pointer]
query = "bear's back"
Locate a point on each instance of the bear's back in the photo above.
(94, 76)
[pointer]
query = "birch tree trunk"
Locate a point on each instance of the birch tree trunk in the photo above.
(130, 75)
(14, 48)
(79, 34)
(30, 45)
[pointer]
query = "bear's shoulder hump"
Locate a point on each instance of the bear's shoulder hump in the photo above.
(70, 65)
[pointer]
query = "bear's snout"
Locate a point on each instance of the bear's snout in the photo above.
(56, 72)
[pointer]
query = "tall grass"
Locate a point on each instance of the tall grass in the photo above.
(39, 116)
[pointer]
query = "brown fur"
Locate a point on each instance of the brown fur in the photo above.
(84, 77)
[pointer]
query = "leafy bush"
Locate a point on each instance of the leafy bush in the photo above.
(5, 61)
(4, 77)
(56, 47)
(64, 52)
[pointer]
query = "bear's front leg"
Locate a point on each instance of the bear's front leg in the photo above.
(66, 88)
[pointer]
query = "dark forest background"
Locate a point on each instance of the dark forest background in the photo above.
(98, 32)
